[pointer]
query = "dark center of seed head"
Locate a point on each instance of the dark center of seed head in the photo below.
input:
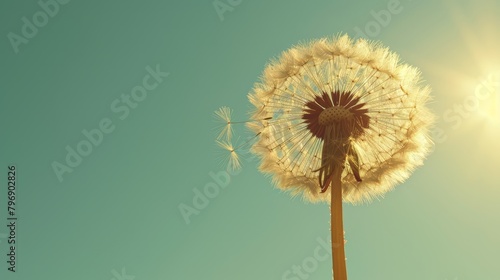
(333, 115)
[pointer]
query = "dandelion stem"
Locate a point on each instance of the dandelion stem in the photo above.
(337, 226)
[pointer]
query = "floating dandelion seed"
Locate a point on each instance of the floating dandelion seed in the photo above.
(338, 120)
(233, 159)
(224, 115)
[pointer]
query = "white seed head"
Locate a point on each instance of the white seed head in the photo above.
(390, 147)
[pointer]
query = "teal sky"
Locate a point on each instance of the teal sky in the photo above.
(114, 213)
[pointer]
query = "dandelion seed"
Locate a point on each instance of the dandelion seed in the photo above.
(223, 114)
(232, 157)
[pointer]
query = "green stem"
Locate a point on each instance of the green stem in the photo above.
(337, 226)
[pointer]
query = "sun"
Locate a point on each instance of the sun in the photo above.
(477, 25)
(473, 80)
(489, 110)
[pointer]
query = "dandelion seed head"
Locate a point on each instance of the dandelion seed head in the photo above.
(340, 101)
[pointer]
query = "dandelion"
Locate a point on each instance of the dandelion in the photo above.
(340, 120)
